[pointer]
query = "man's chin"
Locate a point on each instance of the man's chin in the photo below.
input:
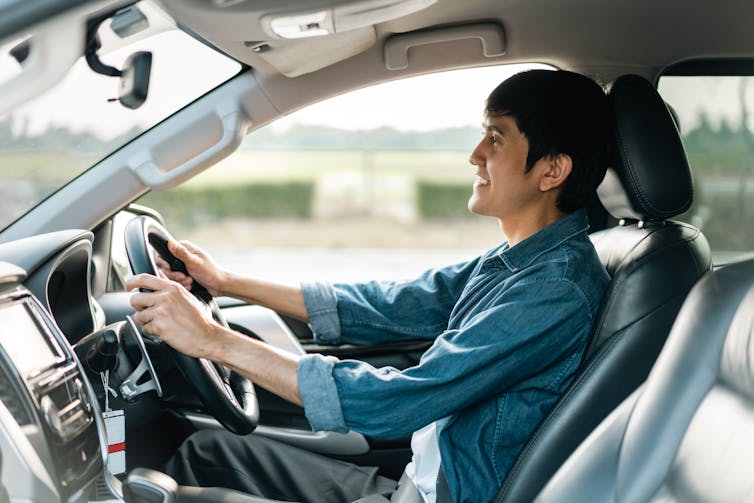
(476, 207)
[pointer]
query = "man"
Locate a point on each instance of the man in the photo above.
(509, 328)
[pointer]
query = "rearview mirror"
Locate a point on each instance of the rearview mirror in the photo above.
(134, 81)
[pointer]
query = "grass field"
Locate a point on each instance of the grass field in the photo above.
(272, 165)
(48, 166)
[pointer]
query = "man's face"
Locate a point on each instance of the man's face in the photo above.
(502, 187)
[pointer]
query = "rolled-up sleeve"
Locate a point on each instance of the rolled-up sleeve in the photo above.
(322, 308)
(381, 311)
(521, 337)
(319, 393)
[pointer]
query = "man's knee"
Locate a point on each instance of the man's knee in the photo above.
(220, 446)
(206, 443)
(201, 440)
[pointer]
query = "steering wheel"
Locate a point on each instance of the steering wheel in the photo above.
(227, 395)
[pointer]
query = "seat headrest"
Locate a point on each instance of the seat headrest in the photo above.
(652, 166)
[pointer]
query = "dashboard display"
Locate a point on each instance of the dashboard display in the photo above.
(23, 340)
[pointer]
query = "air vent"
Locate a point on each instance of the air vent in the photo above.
(13, 399)
(101, 491)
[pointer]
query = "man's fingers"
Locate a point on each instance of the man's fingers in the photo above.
(181, 279)
(192, 252)
(188, 245)
(143, 300)
(149, 320)
(142, 317)
(176, 276)
(179, 250)
(148, 282)
(163, 270)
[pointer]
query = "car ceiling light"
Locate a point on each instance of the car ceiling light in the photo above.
(312, 24)
(340, 18)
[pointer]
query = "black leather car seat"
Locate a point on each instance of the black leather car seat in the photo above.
(653, 263)
(688, 434)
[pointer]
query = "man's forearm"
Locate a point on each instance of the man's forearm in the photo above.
(281, 298)
(271, 368)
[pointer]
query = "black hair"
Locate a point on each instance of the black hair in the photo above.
(560, 112)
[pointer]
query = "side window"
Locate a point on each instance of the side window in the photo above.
(716, 116)
(372, 184)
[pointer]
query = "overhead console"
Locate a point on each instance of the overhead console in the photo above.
(296, 38)
(51, 435)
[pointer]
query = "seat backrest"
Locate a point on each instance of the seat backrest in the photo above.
(689, 434)
(653, 263)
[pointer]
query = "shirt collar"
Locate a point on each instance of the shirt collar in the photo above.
(544, 240)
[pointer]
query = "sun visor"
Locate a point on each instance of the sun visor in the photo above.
(293, 58)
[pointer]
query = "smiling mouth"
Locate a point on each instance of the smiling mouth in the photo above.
(478, 180)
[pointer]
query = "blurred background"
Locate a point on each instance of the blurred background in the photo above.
(371, 184)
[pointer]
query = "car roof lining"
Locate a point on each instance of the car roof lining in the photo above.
(620, 35)
(622, 38)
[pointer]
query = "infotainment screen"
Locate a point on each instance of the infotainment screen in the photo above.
(23, 341)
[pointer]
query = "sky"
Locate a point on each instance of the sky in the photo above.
(421, 103)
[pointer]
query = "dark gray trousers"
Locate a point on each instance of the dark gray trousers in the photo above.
(271, 469)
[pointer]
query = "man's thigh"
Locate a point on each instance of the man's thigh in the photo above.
(265, 467)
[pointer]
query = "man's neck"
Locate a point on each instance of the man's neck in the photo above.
(518, 228)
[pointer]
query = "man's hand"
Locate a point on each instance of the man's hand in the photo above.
(171, 313)
(199, 264)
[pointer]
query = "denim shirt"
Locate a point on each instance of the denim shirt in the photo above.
(509, 330)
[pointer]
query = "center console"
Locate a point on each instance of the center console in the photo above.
(53, 444)
(49, 415)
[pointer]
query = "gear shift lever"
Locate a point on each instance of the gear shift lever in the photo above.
(149, 486)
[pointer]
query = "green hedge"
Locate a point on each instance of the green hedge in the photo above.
(437, 201)
(189, 205)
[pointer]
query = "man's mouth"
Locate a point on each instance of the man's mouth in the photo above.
(478, 180)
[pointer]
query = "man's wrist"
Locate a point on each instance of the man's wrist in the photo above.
(225, 282)
(220, 348)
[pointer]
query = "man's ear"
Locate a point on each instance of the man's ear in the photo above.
(557, 169)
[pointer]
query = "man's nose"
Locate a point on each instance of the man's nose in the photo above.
(476, 158)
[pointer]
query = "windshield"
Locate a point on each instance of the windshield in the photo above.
(50, 140)
(328, 194)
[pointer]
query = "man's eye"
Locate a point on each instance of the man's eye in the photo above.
(493, 139)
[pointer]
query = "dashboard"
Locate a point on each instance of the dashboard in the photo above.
(52, 436)
(58, 266)
(54, 310)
